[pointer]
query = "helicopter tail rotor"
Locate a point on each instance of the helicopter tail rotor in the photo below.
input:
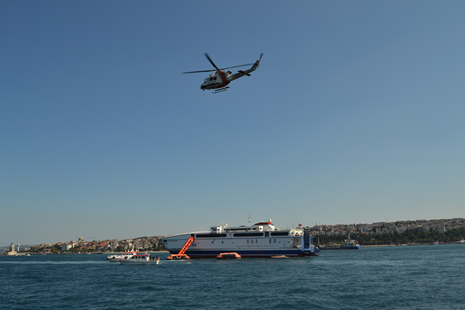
(257, 63)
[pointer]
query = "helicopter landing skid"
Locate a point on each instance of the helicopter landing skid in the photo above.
(220, 90)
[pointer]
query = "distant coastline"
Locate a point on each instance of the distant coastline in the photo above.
(418, 232)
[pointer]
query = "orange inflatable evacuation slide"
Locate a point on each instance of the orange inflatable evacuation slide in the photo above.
(181, 254)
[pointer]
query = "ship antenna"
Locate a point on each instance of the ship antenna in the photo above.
(249, 217)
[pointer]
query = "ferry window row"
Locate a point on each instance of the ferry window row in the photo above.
(256, 241)
(251, 234)
(281, 233)
(247, 234)
(211, 235)
(240, 229)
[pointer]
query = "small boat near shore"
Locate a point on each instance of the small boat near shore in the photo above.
(126, 255)
(145, 258)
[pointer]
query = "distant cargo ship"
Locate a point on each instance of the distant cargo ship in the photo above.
(348, 245)
(262, 239)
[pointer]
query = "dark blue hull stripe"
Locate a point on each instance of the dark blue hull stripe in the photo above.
(246, 253)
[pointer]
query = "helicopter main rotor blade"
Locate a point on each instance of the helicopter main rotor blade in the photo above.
(218, 69)
(211, 61)
(199, 71)
(236, 66)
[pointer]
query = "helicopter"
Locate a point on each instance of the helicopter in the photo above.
(218, 81)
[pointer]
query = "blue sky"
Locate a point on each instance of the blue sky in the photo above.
(356, 115)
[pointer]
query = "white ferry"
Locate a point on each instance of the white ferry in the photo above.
(262, 239)
(126, 255)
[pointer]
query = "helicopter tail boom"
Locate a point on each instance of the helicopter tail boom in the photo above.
(241, 73)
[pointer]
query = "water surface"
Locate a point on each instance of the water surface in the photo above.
(417, 277)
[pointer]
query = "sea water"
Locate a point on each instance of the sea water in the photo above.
(410, 277)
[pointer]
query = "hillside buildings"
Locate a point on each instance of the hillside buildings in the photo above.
(153, 243)
(400, 227)
(97, 246)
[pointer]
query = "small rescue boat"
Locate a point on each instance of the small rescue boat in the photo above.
(141, 259)
(279, 256)
(126, 255)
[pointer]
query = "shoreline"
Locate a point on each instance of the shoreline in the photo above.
(414, 244)
(83, 253)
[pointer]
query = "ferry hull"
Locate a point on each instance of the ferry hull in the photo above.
(131, 262)
(247, 253)
(209, 249)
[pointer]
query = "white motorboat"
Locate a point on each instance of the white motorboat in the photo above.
(145, 258)
(126, 255)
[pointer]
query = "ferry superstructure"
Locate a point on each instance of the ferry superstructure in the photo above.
(262, 239)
